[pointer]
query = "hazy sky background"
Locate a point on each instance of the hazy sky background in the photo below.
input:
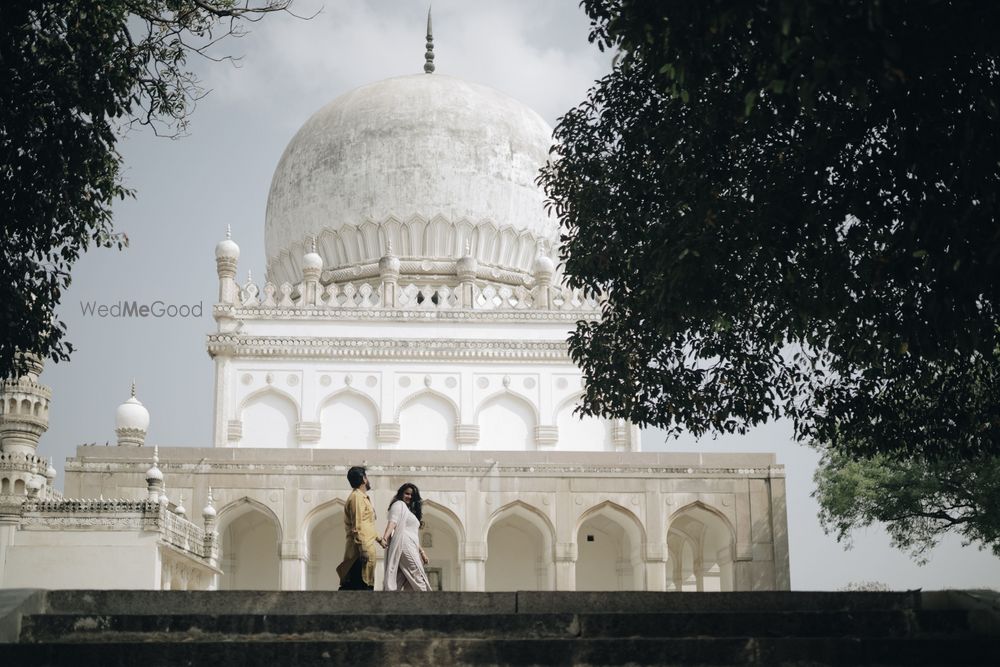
(189, 189)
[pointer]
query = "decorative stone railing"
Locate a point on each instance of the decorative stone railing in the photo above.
(414, 296)
(121, 514)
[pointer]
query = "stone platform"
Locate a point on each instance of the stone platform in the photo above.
(524, 628)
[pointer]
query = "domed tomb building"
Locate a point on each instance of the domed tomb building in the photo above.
(413, 320)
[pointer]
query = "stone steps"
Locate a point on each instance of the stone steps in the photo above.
(203, 627)
(518, 651)
(526, 628)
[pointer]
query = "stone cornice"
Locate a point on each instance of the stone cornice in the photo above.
(443, 349)
(325, 314)
(476, 470)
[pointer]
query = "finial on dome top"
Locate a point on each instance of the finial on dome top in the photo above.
(389, 248)
(429, 54)
(133, 388)
(313, 245)
(468, 247)
(249, 275)
(229, 231)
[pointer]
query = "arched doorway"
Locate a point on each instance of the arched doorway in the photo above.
(251, 539)
(609, 557)
(519, 551)
(700, 543)
(441, 536)
(325, 541)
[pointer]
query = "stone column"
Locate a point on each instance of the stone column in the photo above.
(474, 566)
(779, 529)
(566, 556)
(293, 566)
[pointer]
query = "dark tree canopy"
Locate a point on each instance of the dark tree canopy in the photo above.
(792, 208)
(73, 74)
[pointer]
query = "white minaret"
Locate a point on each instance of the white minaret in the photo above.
(24, 410)
(227, 255)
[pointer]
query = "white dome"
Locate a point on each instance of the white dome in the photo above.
(132, 414)
(404, 153)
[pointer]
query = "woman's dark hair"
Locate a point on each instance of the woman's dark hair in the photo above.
(356, 476)
(416, 504)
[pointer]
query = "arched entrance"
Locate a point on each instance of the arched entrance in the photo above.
(519, 551)
(325, 540)
(251, 539)
(609, 550)
(700, 543)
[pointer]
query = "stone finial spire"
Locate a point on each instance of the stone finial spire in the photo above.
(132, 390)
(429, 54)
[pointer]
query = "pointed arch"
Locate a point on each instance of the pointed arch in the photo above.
(234, 509)
(520, 549)
(319, 513)
(610, 541)
(580, 433)
(250, 546)
(443, 538)
(427, 420)
(620, 514)
(448, 517)
(348, 418)
(262, 413)
(528, 512)
(507, 421)
(323, 538)
(424, 392)
(702, 541)
(698, 504)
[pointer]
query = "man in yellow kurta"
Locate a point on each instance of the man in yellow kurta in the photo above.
(357, 571)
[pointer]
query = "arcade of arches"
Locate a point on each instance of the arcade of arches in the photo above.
(493, 520)
(518, 550)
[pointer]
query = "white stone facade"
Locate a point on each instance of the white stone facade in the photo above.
(412, 321)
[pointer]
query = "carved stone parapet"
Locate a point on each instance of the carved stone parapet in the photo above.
(546, 436)
(429, 349)
(234, 430)
(387, 433)
(308, 432)
(467, 434)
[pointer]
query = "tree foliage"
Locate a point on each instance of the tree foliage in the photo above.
(918, 502)
(73, 75)
(791, 208)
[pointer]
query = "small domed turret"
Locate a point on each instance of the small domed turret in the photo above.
(131, 421)
(227, 248)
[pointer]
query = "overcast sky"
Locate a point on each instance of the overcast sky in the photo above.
(189, 189)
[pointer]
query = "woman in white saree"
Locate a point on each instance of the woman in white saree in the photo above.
(404, 558)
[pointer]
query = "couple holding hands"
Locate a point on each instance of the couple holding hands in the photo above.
(404, 558)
